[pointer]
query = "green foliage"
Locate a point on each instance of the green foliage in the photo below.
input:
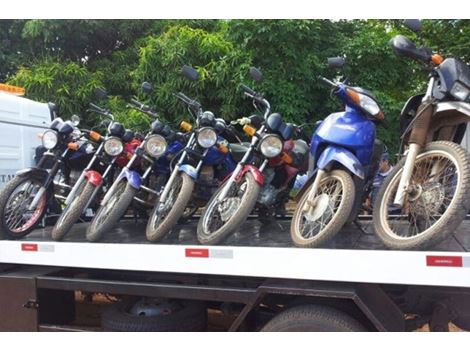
(68, 84)
(64, 60)
(221, 66)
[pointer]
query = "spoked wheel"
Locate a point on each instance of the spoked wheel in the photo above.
(165, 215)
(316, 224)
(16, 218)
(219, 219)
(72, 212)
(109, 214)
(435, 204)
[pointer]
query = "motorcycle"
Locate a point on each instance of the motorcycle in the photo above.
(431, 182)
(151, 158)
(99, 172)
(24, 200)
(345, 157)
(263, 177)
(203, 162)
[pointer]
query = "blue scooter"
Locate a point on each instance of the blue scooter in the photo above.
(345, 157)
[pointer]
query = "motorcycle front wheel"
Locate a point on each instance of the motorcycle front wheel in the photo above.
(72, 212)
(315, 225)
(166, 215)
(436, 203)
(109, 214)
(16, 219)
(220, 219)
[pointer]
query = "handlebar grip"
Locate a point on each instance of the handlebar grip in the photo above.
(248, 90)
(326, 81)
(96, 107)
(183, 97)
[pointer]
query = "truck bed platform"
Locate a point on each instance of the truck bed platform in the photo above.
(256, 250)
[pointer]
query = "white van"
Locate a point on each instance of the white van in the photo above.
(21, 120)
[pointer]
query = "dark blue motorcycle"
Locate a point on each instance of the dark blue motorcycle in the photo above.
(204, 162)
(151, 157)
(345, 159)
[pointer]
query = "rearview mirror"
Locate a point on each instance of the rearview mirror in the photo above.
(146, 87)
(414, 25)
(190, 73)
(101, 94)
(336, 62)
(75, 119)
(256, 74)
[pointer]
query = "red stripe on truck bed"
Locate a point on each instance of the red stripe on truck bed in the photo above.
(29, 247)
(438, 260)
(197, 252)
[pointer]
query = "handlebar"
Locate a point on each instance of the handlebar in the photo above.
(193, 103)
(143, 108)
(327, 81)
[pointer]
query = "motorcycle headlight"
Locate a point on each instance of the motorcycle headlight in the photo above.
(459, 91)
(368, 104)
(207, 137)
(156, 146)
(49, 139)
(113, 146)
(271, 146)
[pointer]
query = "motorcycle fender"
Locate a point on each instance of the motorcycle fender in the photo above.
(306, 186)
(342, 156)
(189, 170)
(132, 177)
(93, 177)
(259, 178)
(33, 172)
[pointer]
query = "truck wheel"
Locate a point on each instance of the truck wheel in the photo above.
(72, 212)
(313, 318)
(151, 314)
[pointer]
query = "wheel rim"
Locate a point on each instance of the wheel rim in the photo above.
(435, 180)
(102, 213)
(17, 216)
(219, 213)
(163, 209)
(313, 221)
(66, 212)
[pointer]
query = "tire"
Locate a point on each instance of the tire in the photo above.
(73, 211)
(247, 204)
(6, 192)
(447, 223)
(156, 233)
(312, 318)
(337, 221)
(192, 317)
(122, 197)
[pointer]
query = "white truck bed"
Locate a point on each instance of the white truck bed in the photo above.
(255, 251)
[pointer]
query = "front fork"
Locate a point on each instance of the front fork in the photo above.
(404, 184)
(48, 181)
(309, 204)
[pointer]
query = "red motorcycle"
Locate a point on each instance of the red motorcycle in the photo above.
(264, 175)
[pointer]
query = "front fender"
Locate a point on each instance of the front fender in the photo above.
(342, 156)
(259, 178)
(189, 170)
(35, 172)
(132, 177)
(94, 177)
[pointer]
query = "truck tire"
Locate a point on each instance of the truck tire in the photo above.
(72, 212)
(119, 317)
(313, 318)
(118, 204)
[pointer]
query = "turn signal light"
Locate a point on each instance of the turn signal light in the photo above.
(353, 95)
(249, 130)
(223, 148)
(20, 91)
(186, 126)
(39, 135)
(73, 146)
(95, 136)
(437, 59)
(286, 158)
